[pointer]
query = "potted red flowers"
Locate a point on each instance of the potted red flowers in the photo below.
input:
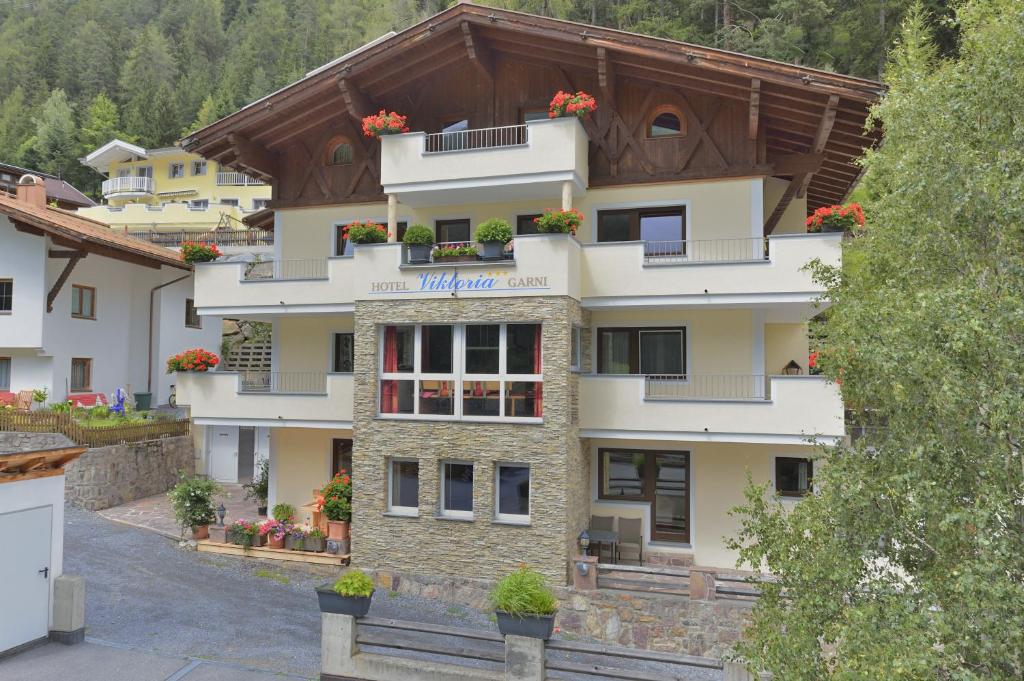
(365, 232)
(559, 221)
(335, 502)
(455, 253)
(193, 252)
(195, 359)
(384, 123)
(837, 218)
(567, 104)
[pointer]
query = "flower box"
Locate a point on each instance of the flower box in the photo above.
(330, 601)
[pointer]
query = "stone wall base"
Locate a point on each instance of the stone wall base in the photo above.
(111, 476)
(663, 622)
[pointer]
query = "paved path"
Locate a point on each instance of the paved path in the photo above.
(155, 513)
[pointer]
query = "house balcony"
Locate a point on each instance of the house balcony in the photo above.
(233, 179)
(517, 162)
(127, 187)
(720, 408)
(285, 399)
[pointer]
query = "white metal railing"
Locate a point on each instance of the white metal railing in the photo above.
(287, 382)
(479, 138)
(706, 387)
(283, 270)
(128, 183)
(230, 178)
(746, 249)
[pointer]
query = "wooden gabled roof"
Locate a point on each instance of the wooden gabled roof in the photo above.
(81, 233)
(44, 463)
(801, 110)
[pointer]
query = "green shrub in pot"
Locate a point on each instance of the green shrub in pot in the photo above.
(493, 234)
(524, 605)
(419, 239)
(351, 594)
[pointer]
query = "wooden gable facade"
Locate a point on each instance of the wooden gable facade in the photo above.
(741, 116)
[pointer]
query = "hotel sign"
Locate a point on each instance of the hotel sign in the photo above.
(453, 282)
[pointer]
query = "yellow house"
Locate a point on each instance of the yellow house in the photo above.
(170, 190)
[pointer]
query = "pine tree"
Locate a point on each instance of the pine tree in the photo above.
(54, 146)
(147, 85)
(15, 124)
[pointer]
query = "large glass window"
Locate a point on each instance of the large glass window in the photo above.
(462, 371)
(661, 479)
(663, 228)
(647, 351)
(513, 489)
(457, 489)
(452, 231)
(404, 487)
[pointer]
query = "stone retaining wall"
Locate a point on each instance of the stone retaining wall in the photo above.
(110, 476)
(668, 623)
(11, 442)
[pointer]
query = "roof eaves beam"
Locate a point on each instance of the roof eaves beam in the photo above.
(606, 74)
(359, 105)
(828, 119)
(62, 279)
(252, 156)
(479, 54)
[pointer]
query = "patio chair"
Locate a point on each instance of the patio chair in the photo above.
(605, 523)
(631, 538)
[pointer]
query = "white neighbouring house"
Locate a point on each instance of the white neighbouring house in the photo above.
(86, 310)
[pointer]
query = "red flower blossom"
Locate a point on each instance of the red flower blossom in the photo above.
(566, 104)
(384, 123)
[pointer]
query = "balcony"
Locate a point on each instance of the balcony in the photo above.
(720, 271)
(127, 186)
(289, 399)
(517, 162)
(233, 179)
(220, 237)
(724, 408)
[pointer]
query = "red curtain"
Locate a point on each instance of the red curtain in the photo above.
(538, 400)
(389, 389)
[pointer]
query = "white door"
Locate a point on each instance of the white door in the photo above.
(224, 453)
(25, 574)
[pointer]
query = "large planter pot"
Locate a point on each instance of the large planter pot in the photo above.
(356, 606)
(420, 253)
(201, 532)
(492, 250)
(275, 543)
(293, 543)
(338, 529)
(456, 258)
(259, 540)
(317, 544)
(533, 626)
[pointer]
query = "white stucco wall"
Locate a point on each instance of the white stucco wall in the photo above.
(171, 336)
(21, 259)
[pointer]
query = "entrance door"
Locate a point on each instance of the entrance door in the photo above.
(25, 574)
(224, 453)
(671, 508)
(246, 452)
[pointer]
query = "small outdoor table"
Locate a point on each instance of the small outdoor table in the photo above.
(601, 537)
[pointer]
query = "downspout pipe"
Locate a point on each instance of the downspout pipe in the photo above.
(152, 294)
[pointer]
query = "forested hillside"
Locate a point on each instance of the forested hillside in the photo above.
(75, 73)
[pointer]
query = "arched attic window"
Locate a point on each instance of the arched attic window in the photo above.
(339, 151)
(666, 121)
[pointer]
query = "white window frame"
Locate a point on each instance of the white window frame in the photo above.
(515, 518)
(200, 165)
(402, 510)
(199, 204)
(171, 168)
(443, 498)
(458, 375)
(231, 202)
(259, 204)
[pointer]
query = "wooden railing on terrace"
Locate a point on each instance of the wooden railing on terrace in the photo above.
(91, 436)
(224, 237)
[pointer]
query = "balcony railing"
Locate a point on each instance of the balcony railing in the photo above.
(480, 138)
(706, 387)
(282, 270)
(236, 237)
(128, 183)
(285, 383)
(747, 249)
(508, 253)
(237, 179)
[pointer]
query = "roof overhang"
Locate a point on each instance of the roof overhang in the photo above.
(114, 151)
(45, 463)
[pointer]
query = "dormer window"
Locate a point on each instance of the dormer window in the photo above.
(667, 121)
(339, 152)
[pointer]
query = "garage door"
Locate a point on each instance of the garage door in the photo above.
(25, 575)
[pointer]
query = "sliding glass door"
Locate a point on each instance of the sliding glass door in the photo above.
(660, 478)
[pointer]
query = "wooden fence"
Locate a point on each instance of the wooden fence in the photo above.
(90, 436)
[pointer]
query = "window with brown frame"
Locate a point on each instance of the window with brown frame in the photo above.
(83, 302)
(793, 476)
(192, 318)
(340, 154)
(449, 231)
(660, 478)
(526, 225)
(341, 456)
(81, 375)
(644, 351)
(664, 226)
(666, 121)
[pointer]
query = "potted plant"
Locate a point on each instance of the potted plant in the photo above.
(365, 232)
(419, 239)
(193, 252)
(259, 488)
(524, 605)
(245, 533)
(284, 513)
(315, 541)
(350, 595)
(192, 501)
(195, 359)
(559, 221)
(384, 123)
(274, 531)
(565, 104)
(335, 502)
(837, 218)
(455, 253)
(492, 235)
(293, 540)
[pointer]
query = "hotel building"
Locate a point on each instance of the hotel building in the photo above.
(637, 370)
